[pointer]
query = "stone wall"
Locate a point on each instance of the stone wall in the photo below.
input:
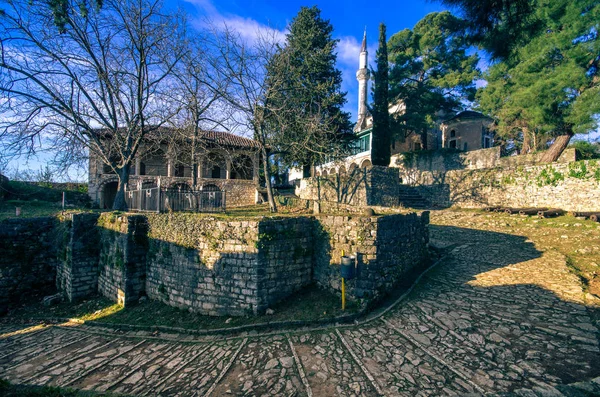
(571, 186)
(122, 257)
(375, 185)
(221, 267)
(425, 167)
(203, 264)
(77, 274)
(286, 250)
(386, 247)
(27, 260)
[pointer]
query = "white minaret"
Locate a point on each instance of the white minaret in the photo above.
(362, 75)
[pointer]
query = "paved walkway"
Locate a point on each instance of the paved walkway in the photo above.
(496, 316)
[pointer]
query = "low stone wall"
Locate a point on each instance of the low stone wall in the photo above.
(222, 267)
(373, 186)
(77, 274)
(219, 266)
(28, 259)
(422, 167)
(122, 257)
(205, 265)
(571, 186)
(387, 248)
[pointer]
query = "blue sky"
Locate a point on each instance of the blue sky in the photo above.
(348, 18)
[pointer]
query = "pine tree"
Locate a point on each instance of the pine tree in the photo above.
(311, 125)
(431, 72)
(550, 87)
(381, 141)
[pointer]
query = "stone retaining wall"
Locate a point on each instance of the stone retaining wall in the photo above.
(28, 259)
(387, 248)
(571, 186)
(206, 264)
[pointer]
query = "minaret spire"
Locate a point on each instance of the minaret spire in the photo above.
(362, 75)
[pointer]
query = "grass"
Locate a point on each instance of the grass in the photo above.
(32, 209)
(9, 390)
(310, 304)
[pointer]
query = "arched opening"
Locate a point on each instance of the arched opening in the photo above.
(242, 167)
(352, 168)
(109, 192)
(342, 170)
(214, 167)
(366, 164)
(318, 173)
(324, 174)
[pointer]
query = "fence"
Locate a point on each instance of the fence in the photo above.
(166, 200)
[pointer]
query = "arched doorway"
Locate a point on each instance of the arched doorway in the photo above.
(366, 164)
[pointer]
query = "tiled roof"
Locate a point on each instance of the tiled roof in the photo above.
(467, 114)
(216, 138)
(222, 138)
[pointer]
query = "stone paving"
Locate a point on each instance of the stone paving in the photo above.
(495, 316)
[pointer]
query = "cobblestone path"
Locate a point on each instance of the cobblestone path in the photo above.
(495, 316)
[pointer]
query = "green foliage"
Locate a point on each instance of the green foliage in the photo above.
(586, 150)
(550, 84)
(498, 26)
(309, 125)
(381, 139)
(430, 72)
(549, 176)
(578, 170)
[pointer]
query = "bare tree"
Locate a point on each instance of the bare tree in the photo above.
(242, 66)
(96, 84)
(197, 91)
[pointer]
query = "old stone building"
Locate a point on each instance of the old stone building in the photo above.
(224, 161)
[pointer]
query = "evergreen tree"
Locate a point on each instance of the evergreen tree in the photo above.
(381, 141)
(311, 126)
(430, 73)
(550, 87)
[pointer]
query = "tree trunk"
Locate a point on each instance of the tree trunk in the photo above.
(558, 146)
(120, 204)
(526, 147)
(267, 172)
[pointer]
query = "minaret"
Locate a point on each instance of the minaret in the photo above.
(362, 75)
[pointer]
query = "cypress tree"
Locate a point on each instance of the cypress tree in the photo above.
(381, 142)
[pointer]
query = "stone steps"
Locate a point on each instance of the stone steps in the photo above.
(409, 197)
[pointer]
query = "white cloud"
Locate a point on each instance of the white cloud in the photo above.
(248, 28)
(348, 48)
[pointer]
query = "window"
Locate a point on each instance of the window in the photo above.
(179, 170)
(487, 143)
(215, 172)
(465, 147)
(452, 134)
(452, 144)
